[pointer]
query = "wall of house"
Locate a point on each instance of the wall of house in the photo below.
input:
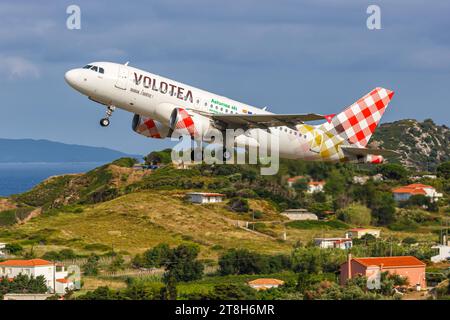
(357, 269)
(416, 275)
(46, 271)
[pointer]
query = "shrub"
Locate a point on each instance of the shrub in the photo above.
(238, 205)
(356, 214)
(125, 162)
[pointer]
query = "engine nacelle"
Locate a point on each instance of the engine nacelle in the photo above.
(149, 127)
(195, 125)
(374, 159)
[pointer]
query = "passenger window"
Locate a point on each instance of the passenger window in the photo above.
(101, 70)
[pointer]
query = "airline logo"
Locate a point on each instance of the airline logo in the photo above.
(163, 87)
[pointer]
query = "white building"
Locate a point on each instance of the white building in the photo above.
(443, 255)
(340, 243)
(55, 275)
(444, 251)
(2, 250)
(315, 186)
(405, 192)
(204, 197)
(358, 233)
(299, 214)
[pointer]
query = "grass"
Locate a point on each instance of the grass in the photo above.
(313, 224)
(207, 283)
(136, 222)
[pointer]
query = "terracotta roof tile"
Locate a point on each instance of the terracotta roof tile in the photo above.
(402, 261)
(26, 263)
(266, 282)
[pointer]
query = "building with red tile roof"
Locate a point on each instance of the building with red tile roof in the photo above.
(265, 283)
(371, 267)
(56, 277)
(403, 193)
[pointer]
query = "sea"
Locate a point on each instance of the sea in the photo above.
(20, 177)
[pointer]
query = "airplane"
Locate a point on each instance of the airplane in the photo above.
(162, 106)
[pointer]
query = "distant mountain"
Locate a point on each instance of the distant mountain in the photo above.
(423, 145)
(29, 150)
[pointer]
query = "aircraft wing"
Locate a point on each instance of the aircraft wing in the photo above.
(265, 120)
(365, 151)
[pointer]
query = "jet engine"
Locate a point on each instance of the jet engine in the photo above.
(149, 127)
(194, 125)
(374, 159)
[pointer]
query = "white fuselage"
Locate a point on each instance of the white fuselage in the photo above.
(154, 96)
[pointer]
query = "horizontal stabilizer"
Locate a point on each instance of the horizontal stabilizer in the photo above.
(365, 151)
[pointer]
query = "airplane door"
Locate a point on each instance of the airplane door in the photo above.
(122, 78)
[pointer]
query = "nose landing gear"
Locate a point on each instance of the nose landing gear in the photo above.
(109, 111)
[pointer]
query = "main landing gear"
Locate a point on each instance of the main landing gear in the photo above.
(109, 111)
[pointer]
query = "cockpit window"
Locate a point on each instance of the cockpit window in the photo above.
(94, 68)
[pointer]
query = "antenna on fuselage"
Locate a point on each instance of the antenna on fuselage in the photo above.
(126, 63)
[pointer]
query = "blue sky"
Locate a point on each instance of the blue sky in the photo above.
(293, 56)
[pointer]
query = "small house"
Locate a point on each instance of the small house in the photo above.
(291, 181)
(55, 275)
(299, 214)
(443, 251)
(265, 283)
(358, 233)
(405, 192)
(406, 266)
(339, 243)
(205, 197)
(315, 186)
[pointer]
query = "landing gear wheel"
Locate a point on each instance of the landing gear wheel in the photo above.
(104, 122)
(109, 111)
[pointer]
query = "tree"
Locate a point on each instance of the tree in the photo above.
(239, 205)
(443, 170)
(182, 264)
(335, 184)
(23, 283)
(240, 261)
(92, 265)
(13, 248)
(232, 292)
(155, 257)
(356, 214)
(169, 292)
(393, 171)
(117, 263)
(383, 208)
(300, 185)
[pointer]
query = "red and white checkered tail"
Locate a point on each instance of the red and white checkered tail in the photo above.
(357, 123)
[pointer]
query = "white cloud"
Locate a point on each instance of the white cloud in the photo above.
(15, 67)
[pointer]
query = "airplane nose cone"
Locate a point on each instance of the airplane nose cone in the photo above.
(71, 77)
